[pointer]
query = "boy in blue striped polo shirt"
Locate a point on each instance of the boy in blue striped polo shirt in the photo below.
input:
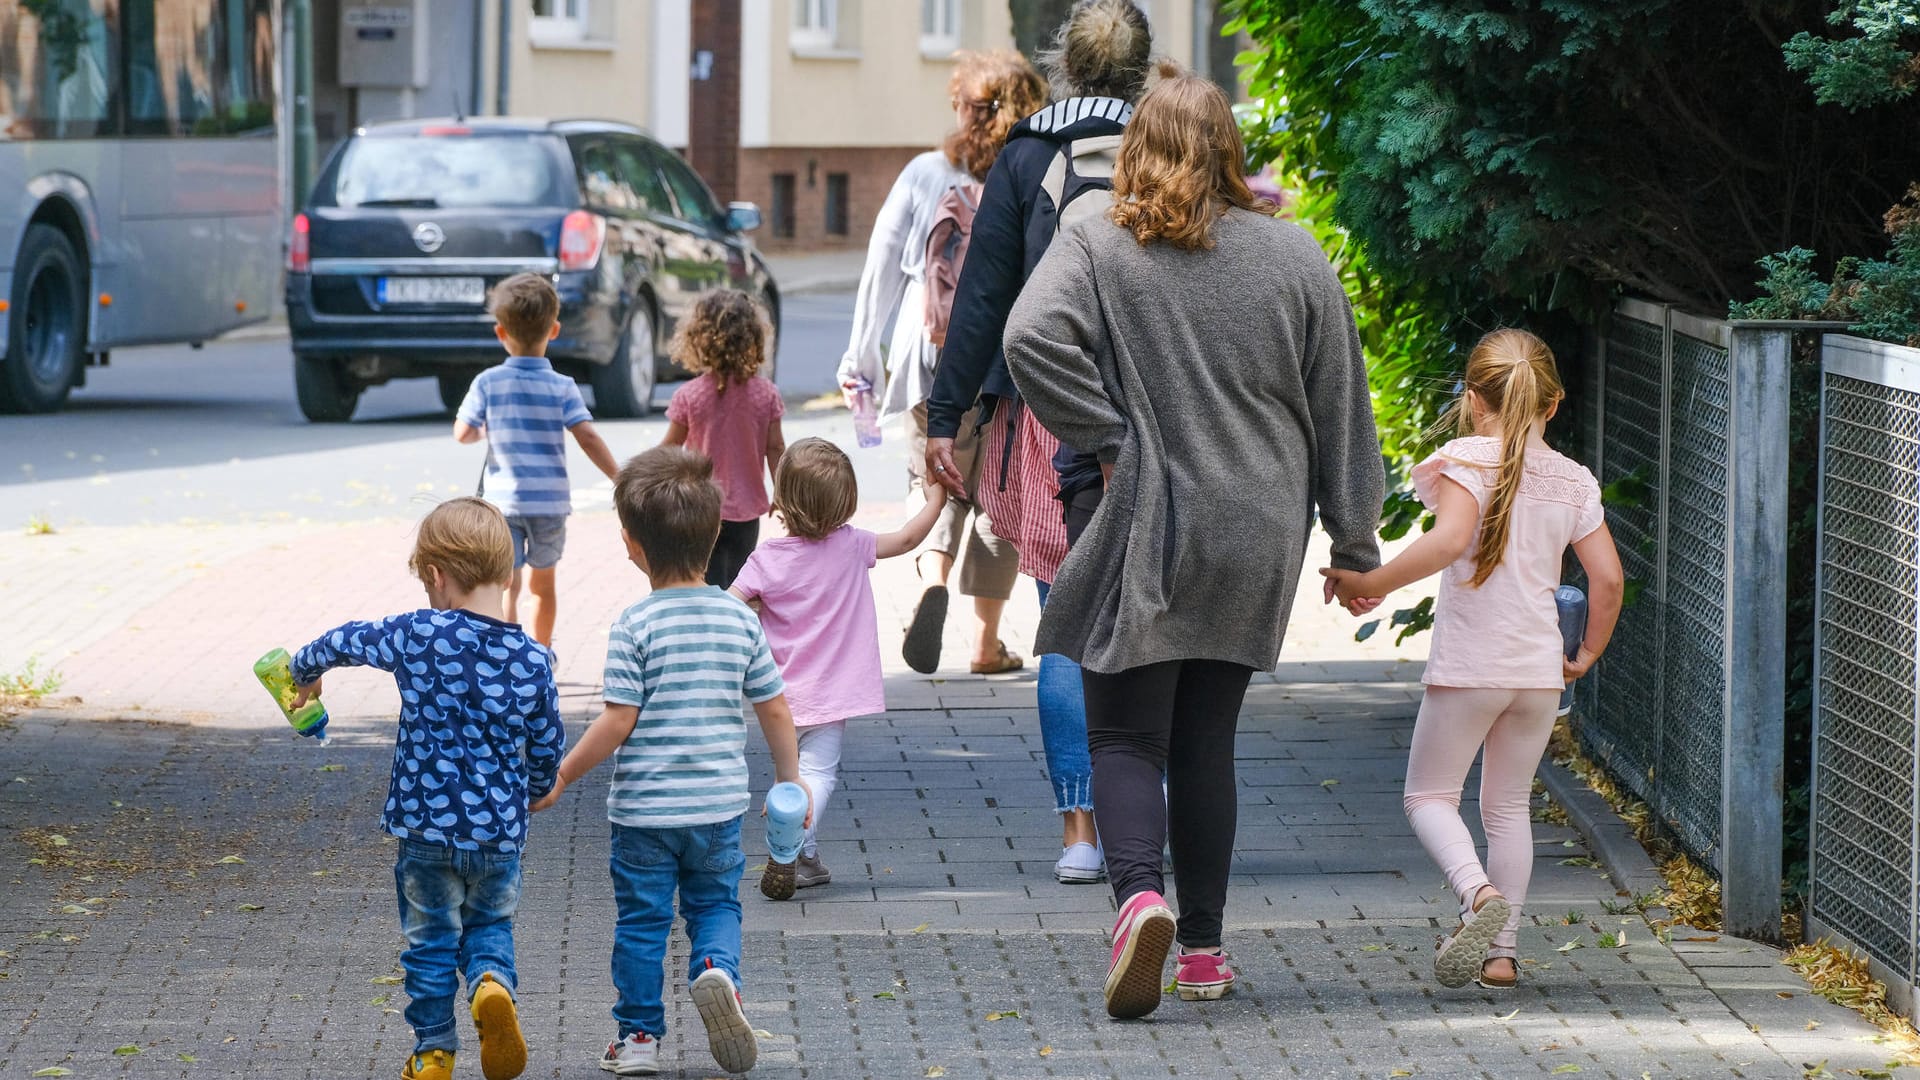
(525, 409)
(678, 663)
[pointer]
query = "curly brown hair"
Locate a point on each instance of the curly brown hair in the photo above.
(725, 336)
(1003, 89)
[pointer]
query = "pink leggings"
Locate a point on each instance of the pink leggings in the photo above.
(1454, 722)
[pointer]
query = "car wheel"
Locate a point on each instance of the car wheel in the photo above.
(453, 388)
(47, 332)
(623, 387)
(327, 395)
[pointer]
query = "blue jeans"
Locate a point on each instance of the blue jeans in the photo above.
(703, 862)
(1063, 728)
(456, 908)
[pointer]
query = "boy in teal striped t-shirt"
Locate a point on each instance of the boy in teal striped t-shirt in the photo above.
(678, 663)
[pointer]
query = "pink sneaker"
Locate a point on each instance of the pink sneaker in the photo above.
(1203, 976)
(1141, 937)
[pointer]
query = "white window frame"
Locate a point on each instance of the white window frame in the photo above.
(564, 29)
(816, 25)
(939, 41)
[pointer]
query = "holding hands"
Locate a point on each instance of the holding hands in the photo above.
(1350, 588)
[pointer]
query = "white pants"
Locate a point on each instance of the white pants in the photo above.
(1454, 724)
(820, 768)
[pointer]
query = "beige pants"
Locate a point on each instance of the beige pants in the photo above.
(990, 564)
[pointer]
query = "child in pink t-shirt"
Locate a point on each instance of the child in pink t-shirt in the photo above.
(817, 607)
(728, 412)
(1506, 507)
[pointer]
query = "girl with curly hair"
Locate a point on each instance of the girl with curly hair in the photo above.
(991, 92)
(731, 413)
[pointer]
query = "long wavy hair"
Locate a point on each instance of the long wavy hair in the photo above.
(1181, 164)
(1004, 89)
(1513, 375)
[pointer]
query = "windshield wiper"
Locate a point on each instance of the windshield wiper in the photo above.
(422, 202)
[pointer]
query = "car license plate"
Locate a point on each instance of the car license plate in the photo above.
(433, 290)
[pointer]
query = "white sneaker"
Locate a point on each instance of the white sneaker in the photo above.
(1080, 864)
(729, 1035)
(635, 1055)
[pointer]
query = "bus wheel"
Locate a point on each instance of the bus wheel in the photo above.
(327, 395)
(46, 326)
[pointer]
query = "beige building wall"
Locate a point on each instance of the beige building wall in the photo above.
(606, 74)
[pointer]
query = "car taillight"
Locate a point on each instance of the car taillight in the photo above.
(581, 236)
(300, 246)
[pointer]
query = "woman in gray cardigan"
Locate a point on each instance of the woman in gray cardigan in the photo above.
(1205, 351)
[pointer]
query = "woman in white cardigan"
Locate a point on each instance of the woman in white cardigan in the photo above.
(991, 92)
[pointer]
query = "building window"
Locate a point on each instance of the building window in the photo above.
(816, 24)
(783, 205)
(559, 22)
(837, 204)
(939, 27)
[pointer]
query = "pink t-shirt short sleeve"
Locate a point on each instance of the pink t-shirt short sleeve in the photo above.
(817, 607)
(731, 429)
(1505, 632)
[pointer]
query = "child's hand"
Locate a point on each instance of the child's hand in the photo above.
(1347, 587)
(1581, 663)
(304, 694)
(545, 802)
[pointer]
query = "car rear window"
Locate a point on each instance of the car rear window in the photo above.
(451, 170)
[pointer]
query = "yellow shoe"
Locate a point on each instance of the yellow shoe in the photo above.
(429, 1065)
(503, 1050)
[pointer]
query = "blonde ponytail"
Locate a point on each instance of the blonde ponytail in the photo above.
(1512, 373)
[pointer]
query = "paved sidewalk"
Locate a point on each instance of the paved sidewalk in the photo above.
(943, 947)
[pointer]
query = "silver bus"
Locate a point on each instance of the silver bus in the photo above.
(139, 191)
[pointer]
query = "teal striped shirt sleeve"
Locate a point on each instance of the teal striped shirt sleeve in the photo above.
(625, 677)
(763, 676)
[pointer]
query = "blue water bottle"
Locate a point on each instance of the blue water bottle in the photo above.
(786, 822)
(866, 416)
(1573, 630)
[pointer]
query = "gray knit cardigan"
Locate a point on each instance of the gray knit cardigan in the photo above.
(1227, 388)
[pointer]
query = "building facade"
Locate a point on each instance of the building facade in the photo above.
(807, 108)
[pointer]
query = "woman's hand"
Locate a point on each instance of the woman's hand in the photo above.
(1348, 587)
(942, 467)
(1581, 663)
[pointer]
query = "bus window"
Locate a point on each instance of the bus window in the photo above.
(198, 67)
(57, 71)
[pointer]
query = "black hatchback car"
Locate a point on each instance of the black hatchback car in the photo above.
(411, 223)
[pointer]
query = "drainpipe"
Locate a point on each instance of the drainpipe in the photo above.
(305, 140)
(1202, 38)
(477, 88)
(505, 59)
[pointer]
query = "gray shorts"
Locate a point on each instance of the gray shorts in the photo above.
(537, 541)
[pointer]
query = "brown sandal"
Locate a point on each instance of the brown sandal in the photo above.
(1488, 980)
(1003, 662)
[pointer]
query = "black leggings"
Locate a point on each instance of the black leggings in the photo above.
(737, 541)
(1175, 718)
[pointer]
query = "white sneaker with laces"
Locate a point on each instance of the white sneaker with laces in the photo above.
(1080, 864)
(636, 1055)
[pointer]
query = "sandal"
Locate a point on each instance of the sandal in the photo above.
(1489, 981)
(1002, 662)
(1459, 957)
(922, 648)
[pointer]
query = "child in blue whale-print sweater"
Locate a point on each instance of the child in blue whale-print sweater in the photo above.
(480, 735)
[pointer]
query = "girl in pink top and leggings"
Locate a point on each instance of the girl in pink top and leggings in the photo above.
(1506, 507)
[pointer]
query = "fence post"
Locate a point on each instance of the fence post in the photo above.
(1753, 737)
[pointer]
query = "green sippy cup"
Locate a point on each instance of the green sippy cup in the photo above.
(275, 672)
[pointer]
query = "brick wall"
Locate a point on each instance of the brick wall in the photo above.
(869, 171)
(713, 103)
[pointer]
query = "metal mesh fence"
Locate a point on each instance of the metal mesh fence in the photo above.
(1623, 724)
(1654, 713)
(1694, 677)
(1864, 849)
